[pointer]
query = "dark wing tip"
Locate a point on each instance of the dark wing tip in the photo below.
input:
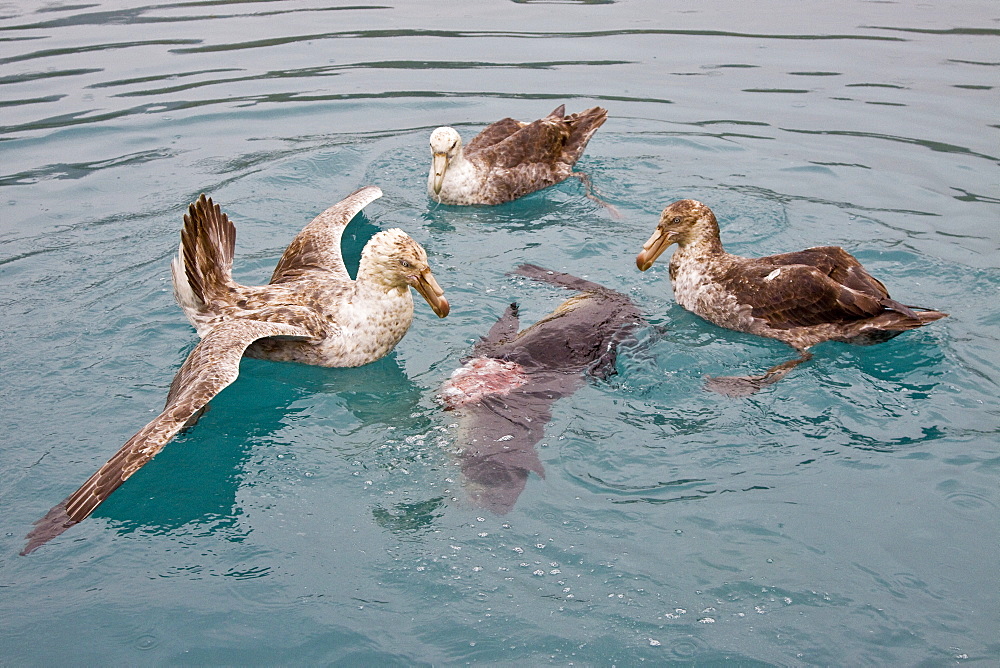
(203, 202)
(54, 523)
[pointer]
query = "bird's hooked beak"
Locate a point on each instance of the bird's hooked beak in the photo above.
(439, 166)
(653, 248)
(429, 289)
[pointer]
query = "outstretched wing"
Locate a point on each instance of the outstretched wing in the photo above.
(211, 366)
(317, 246)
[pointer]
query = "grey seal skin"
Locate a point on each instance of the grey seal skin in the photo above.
(504, 393)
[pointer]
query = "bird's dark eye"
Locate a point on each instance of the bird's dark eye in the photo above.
(404, 264)
(676, 220)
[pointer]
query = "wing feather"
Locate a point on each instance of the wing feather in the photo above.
(798, 295)
(540, 141)
(209, 368)
(208, 240)
(492, 134)
(317, 246)
(836, 263)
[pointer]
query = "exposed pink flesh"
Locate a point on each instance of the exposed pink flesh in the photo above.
(480, 377)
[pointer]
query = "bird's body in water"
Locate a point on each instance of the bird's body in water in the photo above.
(802, 298)
(311, 312)
(509, 158)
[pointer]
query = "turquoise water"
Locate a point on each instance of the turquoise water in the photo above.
(847, 515)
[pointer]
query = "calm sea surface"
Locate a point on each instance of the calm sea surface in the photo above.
(848, 515)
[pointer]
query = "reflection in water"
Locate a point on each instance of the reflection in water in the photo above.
(196, 481)
(217, 306)
(504, 394)
(883, 457)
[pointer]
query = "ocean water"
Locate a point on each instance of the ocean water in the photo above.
(847, 515)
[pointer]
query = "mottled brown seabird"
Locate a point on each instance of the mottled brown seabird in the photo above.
(311, 312)
(510, 158)
(802, 298)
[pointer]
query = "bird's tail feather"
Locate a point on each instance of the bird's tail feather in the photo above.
(583, 126)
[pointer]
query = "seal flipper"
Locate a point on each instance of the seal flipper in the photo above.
(569, 281)
(502, 331)
(604, 366)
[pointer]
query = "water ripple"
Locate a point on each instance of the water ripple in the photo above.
(137, 15)
(477, 34)
(81, 169)
(77, 49)
(937, 146)
(49, 74)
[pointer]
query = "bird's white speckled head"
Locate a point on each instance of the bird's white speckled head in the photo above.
(446, 141)
(446, 145)
(684, 222)
(395, 260)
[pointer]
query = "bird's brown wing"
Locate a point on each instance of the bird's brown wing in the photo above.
(317, 246)
(838, 264)
(538, 142)
(493, 134)
(211, 366)
(497, 132)
(795, 295)
(208, 239)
